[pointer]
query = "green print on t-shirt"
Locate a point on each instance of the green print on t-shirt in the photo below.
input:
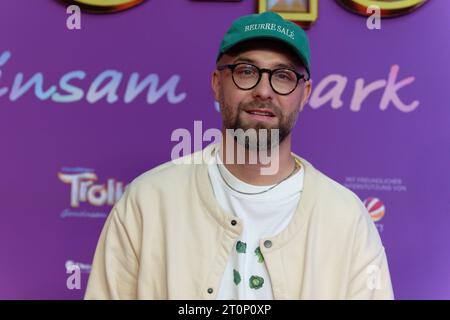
(256, 282)
(236, 277)
(259, 255)
(241, 247)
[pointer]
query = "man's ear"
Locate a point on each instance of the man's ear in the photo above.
(215, 84)
(306, 94)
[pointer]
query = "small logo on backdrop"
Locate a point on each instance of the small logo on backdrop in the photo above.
(85, 190)
(376, 210)
(104, 6)
(375, 207)
(84, 267)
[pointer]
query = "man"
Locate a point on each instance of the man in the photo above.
(222, 229)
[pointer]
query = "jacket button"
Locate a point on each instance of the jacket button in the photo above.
(210, 290)
(267, 243)
(233, 222)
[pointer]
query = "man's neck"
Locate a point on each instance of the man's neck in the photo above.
(259, 171)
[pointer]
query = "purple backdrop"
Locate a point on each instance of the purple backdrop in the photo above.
(55, 144)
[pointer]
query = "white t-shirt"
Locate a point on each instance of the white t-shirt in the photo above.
(263, 215)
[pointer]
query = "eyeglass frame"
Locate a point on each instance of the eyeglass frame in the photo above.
(260, 73)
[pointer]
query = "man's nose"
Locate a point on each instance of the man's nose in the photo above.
(263, 89)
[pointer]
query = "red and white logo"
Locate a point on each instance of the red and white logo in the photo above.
(375, 207)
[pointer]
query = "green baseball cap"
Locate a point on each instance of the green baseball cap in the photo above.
(268, 25)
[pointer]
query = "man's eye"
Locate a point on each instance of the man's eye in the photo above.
(245, 71)
(285, 76)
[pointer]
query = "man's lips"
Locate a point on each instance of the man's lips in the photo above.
(261, 112)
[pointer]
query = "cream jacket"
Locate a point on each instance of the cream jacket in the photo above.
(167, 238)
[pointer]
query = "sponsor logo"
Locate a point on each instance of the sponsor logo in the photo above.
(376, 210)
(375, 207)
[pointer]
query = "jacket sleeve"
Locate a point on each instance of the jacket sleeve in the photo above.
(115, 267)
(369, 271)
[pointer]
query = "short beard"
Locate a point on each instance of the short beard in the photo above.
(265, 138)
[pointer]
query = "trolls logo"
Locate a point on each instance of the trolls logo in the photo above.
(375, 207)
(83, 189)
(104, 6)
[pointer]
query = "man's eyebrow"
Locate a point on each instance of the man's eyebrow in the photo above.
(244, 59)
(284, 65)
(279, 65)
